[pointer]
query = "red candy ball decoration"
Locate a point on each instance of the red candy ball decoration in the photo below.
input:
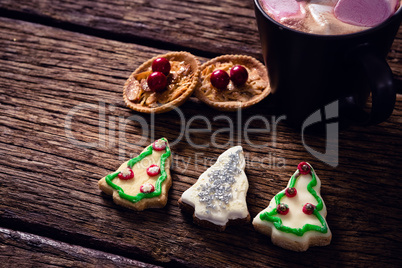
(308, 208)
(153, 170)
(159, 145)
(147, 188)
(291, 192)
(238, 75)
(282, 209)
(304, 168)
(161, 65)
(220, 79)
(126, 174)
(157, 81)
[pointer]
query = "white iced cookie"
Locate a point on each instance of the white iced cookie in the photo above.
(218, 198)
(295, 217)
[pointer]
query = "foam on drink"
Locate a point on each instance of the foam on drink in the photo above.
(330, 17)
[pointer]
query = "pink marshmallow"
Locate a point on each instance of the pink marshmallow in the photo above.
(366, 13)
(283, 8)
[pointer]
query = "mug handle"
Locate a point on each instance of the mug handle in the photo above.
(381, 83)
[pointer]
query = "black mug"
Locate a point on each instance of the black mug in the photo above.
(308, 71)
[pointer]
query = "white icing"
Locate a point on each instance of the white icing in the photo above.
(228, 200)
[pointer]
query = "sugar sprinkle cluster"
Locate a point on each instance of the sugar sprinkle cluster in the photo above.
(218, 190)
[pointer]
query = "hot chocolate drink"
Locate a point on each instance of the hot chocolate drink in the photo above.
(330, 17)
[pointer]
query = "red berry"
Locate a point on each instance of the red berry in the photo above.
(219, 79)
(157, 81)
(304, 168)
(282, 209)
(126, 174)
(153, 170)
(238, 75)
(308, 208)
(291, 192)
(161, 65)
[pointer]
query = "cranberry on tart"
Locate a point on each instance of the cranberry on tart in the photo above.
(162, 83)
(231, 82)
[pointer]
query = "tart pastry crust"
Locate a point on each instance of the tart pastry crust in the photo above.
(182, 80)
(234, 97)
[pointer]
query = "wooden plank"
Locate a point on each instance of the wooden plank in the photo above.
(195, 25)
(232, 22)
(48, 183)
(29, 250)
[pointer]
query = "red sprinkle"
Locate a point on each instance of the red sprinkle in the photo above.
(159, 145)
(128, 176)
(291, 192)
(282, 209)
(147, 191)
(304, 168)
(151, 172)
(308, 208)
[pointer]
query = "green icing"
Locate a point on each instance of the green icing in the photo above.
(277, 222)
(158, 185)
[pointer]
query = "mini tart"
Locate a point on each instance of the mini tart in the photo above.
(182, 80)
(234, 97)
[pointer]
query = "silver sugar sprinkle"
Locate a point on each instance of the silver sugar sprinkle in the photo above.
(219, 188)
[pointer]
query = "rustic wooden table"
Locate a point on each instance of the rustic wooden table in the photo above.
(64, 125)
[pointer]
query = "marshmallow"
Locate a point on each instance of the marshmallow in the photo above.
(324, 2)
(366, 13)
(283, 8)
(318, 11)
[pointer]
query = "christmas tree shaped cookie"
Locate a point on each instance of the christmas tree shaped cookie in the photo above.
(295, 217)
(218, 198)
(142, 182)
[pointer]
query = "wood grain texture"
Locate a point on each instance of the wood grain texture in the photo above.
(63, 125)
(212, 27)
(26, 249)
(191, 24)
